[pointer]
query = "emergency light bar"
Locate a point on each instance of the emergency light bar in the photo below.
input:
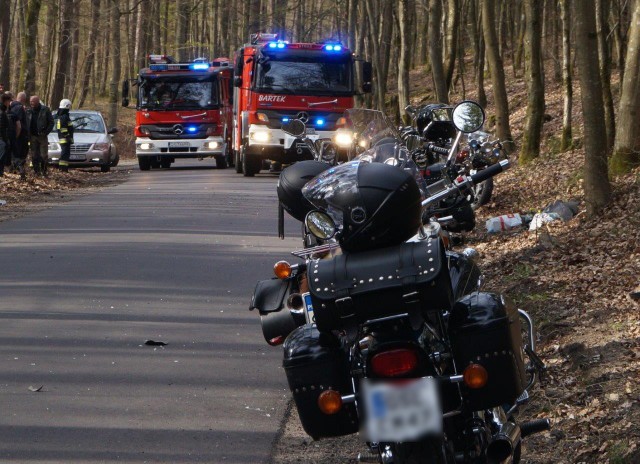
(262, 37)
(160, 59)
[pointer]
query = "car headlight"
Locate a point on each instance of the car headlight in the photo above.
(54, 146)
(101, 146)
(261, 136)
(145, 146)
(343, 138)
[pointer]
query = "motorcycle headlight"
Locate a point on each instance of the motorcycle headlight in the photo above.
(343, 138)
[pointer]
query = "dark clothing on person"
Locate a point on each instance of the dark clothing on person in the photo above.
(4, 136)
(40, 120)
(40, 124)
(21, 147)
(65, 136)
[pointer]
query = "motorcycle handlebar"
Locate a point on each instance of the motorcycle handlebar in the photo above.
(464, 182)
(490, 171)
(440, 150)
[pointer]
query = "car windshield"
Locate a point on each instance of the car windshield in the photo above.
(172, 93)
(88, 122)
(317, 74)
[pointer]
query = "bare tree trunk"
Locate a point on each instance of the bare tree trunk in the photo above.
(496, 68)
(75, 48)
(403, 63)
(602, 8)
(64, 44)
(116, 67)
(453, 27)
(27, 63)
(567, 97)
(93, 40)
(535, 103)
(5, 44)
(435, 51)
(596, 181)
(627, 146)
(182, 30)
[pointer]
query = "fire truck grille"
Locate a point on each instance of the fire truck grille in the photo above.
(79, 148)
(178, 131)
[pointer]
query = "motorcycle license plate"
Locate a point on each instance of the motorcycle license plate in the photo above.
(308, 308)
(179, 144)
(401, 411)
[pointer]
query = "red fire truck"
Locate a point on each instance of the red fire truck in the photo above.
(277, 81)
(183, 111)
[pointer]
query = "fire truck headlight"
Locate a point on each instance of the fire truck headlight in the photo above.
(212, 145)
(343, 138)
(145, 146)
(261, 136)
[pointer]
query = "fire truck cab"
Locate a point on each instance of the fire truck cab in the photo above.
(184, 110)
(277, 81)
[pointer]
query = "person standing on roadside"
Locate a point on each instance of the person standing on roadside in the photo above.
(21, 147)
(40, 124)
(65, 133)
(4, 130)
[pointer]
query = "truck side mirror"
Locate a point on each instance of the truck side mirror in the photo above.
(237, 81)
(125, 93)
(367, 76)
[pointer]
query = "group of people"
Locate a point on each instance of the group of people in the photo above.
(25, 129)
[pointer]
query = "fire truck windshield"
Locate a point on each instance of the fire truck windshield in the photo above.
(316, 74)
(177, 93)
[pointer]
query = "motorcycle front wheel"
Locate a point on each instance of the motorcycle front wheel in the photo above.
(482, 193)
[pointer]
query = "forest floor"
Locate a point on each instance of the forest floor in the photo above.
(574, 279)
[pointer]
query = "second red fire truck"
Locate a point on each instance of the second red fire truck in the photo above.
(183, 111)
(277, 81)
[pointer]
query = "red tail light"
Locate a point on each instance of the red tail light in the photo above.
(462, 155)
(394, 363)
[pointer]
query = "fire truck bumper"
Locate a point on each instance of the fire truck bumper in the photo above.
(186, 148)
(276, 145)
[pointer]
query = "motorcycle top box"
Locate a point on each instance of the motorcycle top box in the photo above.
(484, 329)
(353, 288)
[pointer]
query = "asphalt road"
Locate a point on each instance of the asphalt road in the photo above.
(170, 255)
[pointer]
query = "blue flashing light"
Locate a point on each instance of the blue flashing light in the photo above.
(272, 45)
(285, 119)
(192, 129)
(199, 66)
(280, 45)
(319, 122)
(337, 48)
(329, 48)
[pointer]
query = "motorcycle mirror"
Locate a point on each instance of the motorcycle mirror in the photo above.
(468, 116)
(320, 224)
(413, 142)
(295, 128)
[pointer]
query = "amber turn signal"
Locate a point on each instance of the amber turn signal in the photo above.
(282, 270)
(475, 376)
(330, 402)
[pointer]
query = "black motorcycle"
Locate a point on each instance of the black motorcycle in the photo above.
(388, 334)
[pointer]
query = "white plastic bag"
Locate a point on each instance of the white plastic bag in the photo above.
(504, 222)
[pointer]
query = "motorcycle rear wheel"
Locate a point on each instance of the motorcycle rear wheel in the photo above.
(429, 451)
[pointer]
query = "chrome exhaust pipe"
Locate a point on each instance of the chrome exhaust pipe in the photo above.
(503, 443)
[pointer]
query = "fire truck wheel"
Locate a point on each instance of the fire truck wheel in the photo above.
(221, 162)
(250, 165)
(237, 162)
(144, 162)
(165, 163)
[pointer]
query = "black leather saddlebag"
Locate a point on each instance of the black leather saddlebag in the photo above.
(484, 328)
(315, 362)
(356, 287)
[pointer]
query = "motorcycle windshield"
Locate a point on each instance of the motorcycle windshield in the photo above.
(370, 127)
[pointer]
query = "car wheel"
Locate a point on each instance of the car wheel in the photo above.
(144, 162)
(105, 168)
(115, 162)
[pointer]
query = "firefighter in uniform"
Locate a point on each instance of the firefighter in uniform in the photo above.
(65, 134)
